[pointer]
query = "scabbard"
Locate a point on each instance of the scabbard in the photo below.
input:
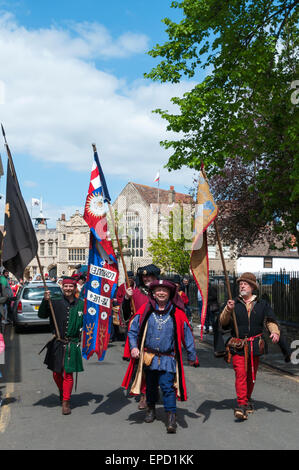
(246, 356)
(47, 344)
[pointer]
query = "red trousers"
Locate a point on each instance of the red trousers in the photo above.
(244, 383)
(65, 383)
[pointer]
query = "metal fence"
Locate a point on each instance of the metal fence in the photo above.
(280, 289)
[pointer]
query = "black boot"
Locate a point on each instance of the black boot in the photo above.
(150, 414)
(171, 422)
(249, 407)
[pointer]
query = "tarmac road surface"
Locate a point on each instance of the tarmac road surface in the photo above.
(104, 417)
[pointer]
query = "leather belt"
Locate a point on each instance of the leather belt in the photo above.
(159, 353)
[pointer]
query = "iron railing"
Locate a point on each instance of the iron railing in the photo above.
(280, 289)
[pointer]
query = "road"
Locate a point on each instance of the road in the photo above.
(103, 417)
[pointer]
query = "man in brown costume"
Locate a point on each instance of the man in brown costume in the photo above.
(252, 314)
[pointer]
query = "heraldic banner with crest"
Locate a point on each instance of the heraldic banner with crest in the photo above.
(206, 212)
(102, 276)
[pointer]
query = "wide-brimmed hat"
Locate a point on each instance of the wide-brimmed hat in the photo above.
(174, 297)
(168, 284)
(69, 280)
(150, 269)
(250, 278)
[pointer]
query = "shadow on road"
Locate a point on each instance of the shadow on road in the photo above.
(115, 402)
(77, 400)
(207, 359)
(161, 415)
(207, 406)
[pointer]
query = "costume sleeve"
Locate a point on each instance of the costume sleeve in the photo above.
(184, 298)
(44, 309)
(271, 322)
(225, 317)
(120, 294)
(189, 343)
(273, 328)
(133, 333)
(126, 309)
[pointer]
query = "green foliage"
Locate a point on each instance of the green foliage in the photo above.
(243, 106)
(170, 255)
(171, 251)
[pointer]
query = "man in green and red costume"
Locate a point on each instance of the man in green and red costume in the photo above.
(63, 355)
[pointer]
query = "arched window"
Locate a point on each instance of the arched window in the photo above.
(42, 248)
(50, 247)
(135, 234)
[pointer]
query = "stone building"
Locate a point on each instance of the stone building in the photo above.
(141, 212)
(47, 250)
(73, 243)
(61, 249)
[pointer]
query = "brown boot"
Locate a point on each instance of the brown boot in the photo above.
(142, 405)
(241, 413)
(150, 415)
(66, 410)
(171, 423)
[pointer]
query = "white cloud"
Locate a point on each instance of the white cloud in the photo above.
(57, 102)
(96, 41)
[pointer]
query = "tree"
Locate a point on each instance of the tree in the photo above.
(243, 109)
(170, 255)
(171, 250)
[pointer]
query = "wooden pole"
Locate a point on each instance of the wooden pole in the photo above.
(226, 277)
(121, 256)
(50, 302)
(223, 265)
(159, 214)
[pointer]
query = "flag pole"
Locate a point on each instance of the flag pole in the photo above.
(50, 302)
(226, 277)
(158, 202)
(37, 257)
(223, 264)
(118, 244)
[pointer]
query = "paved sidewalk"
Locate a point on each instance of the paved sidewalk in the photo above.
(274, 358)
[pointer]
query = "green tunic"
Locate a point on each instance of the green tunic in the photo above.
(65, 354)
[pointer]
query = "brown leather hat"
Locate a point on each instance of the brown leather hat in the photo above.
(250, 278)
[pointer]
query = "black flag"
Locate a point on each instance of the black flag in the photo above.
(20, 243)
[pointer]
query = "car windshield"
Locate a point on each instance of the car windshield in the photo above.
(37, 293)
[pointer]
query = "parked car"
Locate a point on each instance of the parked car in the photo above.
(28, 300)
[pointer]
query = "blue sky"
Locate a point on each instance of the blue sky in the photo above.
(72, 74)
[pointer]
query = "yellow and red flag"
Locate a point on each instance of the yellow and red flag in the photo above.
(205, 214)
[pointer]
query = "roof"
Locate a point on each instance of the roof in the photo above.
(263, 249)
(150, 195)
